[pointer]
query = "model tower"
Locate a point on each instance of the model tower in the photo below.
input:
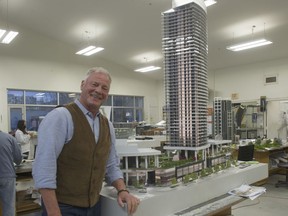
(222, 118)
(184, 45)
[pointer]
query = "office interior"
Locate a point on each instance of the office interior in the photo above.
(52, 63)
(39, 60)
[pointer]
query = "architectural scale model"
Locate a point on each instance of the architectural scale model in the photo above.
(184, 46)
(136, 161)
(222, 119)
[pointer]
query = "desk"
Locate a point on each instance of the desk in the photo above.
(163, 201)
(24, 181)
(263, 156)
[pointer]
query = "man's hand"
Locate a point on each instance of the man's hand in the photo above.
(132, 202)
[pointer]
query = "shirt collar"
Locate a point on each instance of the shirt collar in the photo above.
(84, 110)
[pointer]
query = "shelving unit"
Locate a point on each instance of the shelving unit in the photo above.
(252, 123)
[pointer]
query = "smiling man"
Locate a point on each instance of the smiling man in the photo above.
(76, 150)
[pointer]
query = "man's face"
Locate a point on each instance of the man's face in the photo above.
(94, 91)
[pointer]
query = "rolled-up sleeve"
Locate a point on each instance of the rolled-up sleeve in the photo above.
(52, 135)
(113, 171)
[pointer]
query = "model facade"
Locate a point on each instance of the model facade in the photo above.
(222, 119)
(184, 45)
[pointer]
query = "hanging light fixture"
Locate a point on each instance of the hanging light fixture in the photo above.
(251, 43)
(147, 68)
(90, 49)
(6, 36)
(209, 2)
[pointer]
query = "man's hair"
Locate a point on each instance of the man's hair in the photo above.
(98, 70)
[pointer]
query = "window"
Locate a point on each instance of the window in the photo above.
(34, 105)
(124, 115)
(123, 101)
(43, 98)
(34, 115)
(65, 98)
(139, 102)
(127, 109)
(15, 96)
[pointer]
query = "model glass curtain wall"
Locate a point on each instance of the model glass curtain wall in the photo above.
(222, 119)
(184, 45)
(34, 105)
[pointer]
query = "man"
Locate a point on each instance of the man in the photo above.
(10, 153)
(76, 149)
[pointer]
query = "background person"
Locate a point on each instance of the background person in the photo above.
(10, 153)
(283, 129)
(23, 138)
(76, 150)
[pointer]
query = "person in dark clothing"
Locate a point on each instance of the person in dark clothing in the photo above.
(10, 153)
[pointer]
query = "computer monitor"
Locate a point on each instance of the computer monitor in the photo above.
(246, 153)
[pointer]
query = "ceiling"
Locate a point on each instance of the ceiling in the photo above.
(130, 30)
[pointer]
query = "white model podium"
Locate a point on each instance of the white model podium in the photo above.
(166, 201)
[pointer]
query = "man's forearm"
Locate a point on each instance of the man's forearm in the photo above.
(50, 201)
(119, 184)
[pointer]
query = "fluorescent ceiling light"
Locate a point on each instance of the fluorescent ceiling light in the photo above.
(2, 32)
(249, 45)
(209, 2)
(147, 69)
(90, 50)
(8, 36)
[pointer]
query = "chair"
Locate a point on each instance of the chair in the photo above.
(246, 153)
(283, 183)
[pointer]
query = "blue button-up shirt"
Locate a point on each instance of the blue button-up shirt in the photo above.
(55, 130)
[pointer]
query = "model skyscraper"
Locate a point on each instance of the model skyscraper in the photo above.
(222, 119)
(184, 46)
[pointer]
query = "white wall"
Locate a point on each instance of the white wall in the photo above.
(37, 63)
(248, 80)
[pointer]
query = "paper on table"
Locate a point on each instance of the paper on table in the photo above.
(251, 192)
